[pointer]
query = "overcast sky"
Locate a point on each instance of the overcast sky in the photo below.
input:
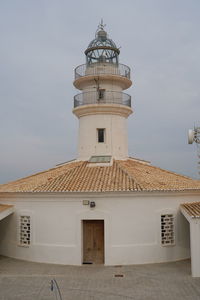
(43, 41)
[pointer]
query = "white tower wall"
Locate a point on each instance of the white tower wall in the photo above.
(116, 141)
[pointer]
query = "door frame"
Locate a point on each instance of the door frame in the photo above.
(82, 237)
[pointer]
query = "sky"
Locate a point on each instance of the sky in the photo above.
(42, 41)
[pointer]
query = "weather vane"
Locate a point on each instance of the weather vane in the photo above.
(101, 25)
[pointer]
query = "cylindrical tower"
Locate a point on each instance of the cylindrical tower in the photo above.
(102, 107)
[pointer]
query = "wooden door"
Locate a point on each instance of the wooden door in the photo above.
(93, 241)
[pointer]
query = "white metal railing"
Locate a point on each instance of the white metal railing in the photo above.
(101, 69)
(102, 97)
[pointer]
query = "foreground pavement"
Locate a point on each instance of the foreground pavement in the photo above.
(26, 280)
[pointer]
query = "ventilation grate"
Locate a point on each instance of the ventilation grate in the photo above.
(25, 233)
(167, 230)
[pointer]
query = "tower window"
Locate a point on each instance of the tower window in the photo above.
(101, 135)
(101, 93)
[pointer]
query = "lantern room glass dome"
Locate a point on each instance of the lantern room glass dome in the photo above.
(102, 49)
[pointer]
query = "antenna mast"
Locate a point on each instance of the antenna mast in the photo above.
(194, 136)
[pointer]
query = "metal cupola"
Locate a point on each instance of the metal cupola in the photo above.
(102, 49)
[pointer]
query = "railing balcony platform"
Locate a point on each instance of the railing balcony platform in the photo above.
(102, 69)
(102, 97)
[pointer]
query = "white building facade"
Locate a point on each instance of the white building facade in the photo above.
(132, 227)
(103, 207)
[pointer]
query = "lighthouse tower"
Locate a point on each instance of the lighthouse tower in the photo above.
(102, 107)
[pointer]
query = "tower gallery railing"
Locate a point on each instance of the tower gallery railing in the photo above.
(101, 69)
(102, 97)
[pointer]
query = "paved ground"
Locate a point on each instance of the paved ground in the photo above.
(28, 281)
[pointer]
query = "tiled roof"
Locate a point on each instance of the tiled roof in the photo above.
(154, 178)
(80, 176)
(192, 209)
(4, 207)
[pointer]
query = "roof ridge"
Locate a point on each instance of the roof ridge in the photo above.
(170, 172)
(139, 160)
(38, 173)
(129, 175)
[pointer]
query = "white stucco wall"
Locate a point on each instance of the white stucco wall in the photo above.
(132, 227)
(194, 224)
(109, 85)
(116, 141)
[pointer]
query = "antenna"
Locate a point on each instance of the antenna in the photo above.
(101, 25)
(194, 136)
(190, 136)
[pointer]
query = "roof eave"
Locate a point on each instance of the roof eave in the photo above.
(100, 193)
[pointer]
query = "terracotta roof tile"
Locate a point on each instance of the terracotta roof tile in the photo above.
(80, 176)
(154, 178)
(193, 209)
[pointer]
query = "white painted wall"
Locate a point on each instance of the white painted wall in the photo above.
(108, 85)
(195, 247)
(116, 140)
(194, 224)
(102, 68)
(132, 227)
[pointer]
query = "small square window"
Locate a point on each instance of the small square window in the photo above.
(101, 135)
(101, 94)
